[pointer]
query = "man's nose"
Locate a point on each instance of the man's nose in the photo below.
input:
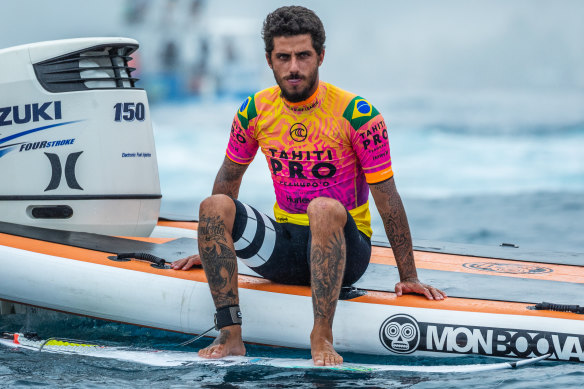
(294, 64)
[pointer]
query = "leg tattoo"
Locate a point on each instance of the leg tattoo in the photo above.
(219, 260)
(327, 269)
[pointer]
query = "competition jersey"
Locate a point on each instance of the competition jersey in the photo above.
(332, 145)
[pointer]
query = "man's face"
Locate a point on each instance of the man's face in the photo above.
(295, 65)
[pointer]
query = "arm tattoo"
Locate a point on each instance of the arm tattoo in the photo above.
(228, 178)
(327, 269)
(396, 225)
(219, 261)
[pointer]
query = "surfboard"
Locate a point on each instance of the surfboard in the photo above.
(165, 358)
(494, 309)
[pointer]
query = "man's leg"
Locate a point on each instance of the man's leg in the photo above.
(327, 265)
(216, 218)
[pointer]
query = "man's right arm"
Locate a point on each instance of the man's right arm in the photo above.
(227, 182)
(228, 178)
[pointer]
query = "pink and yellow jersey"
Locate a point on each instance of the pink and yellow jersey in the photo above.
(332, 145)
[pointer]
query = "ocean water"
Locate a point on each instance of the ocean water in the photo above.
(482, 169)
(471, 168)
(27, 368)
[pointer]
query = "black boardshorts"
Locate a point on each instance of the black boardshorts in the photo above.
(280, 252)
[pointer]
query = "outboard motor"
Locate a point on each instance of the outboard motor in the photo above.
(76, 142)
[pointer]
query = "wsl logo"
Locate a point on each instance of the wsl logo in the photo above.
(400, 334)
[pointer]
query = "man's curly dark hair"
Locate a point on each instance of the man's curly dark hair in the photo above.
(290, 21)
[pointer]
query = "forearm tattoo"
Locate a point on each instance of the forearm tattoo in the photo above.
(219, 260)
(228, 179)
(327, 269)
(397, 228)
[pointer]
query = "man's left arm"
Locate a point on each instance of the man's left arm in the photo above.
(396, 225)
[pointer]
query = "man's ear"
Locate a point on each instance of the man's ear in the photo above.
(321, 57)
(269, 61)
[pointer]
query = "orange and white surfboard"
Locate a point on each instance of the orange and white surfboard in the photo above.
(494, 292)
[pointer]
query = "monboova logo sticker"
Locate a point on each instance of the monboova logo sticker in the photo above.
(400, 334)
(507, 268)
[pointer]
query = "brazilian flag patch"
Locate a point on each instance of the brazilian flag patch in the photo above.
(247, 111)
(359, 111)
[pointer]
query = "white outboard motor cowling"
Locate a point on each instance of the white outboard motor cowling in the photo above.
(76, 142)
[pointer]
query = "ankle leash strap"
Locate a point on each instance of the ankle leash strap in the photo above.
(227, 316)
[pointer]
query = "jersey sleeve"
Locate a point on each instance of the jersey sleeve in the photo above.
(243, 146)
(369, 139)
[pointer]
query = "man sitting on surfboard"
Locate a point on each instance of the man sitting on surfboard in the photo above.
(326, 148)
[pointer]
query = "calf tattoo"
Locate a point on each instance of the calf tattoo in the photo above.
(327, 265)
(212, 229)
(219, 260)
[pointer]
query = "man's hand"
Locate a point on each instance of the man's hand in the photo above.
(186, 263)
(413, 285)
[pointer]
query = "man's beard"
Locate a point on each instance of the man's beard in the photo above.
(301, 95)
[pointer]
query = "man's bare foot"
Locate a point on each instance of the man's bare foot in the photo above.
(322, 350)
(228, 342)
